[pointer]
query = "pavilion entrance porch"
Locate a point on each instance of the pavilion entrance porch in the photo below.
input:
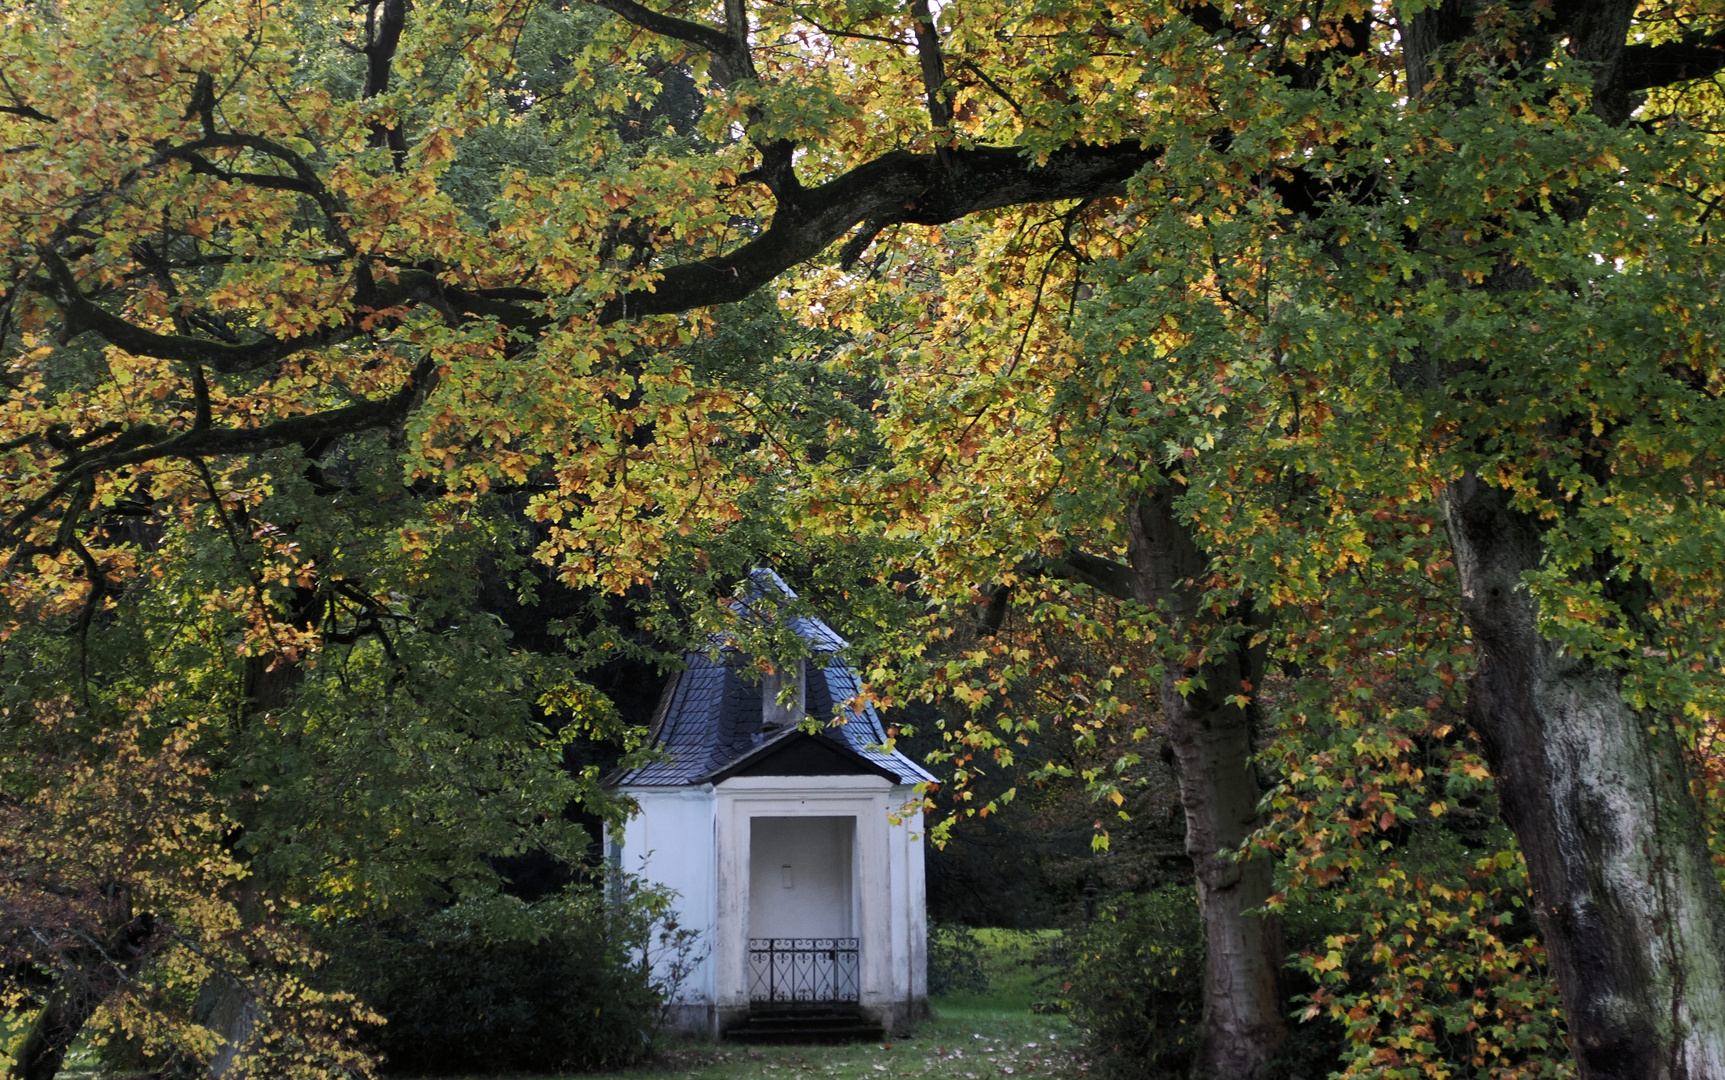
(803, 943)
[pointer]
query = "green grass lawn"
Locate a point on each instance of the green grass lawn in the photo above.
(970, 1040)
(1016, 976)
(972, 1036)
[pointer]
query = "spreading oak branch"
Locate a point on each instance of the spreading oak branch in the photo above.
(898, 187)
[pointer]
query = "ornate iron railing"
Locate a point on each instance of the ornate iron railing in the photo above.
(803, 971)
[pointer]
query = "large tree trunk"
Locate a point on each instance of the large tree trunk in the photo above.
(1623, 888)
(55, 1028)
(87, 976)
(1243, 1023)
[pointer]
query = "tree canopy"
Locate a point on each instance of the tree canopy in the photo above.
(1345, 376)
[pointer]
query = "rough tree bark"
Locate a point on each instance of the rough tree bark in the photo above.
(1243, 1025)
(226, 1007)
(1623, 889)
(1595, 791)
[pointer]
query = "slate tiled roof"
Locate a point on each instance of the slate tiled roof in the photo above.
(710, 713)
(764, 583)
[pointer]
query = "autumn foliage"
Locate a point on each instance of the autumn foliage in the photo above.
(1331, 392)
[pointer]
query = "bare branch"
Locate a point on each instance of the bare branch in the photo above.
(937, 93)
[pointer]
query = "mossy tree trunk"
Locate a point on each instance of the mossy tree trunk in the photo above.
(1623, 889)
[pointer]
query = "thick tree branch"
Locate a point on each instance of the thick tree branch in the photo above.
(709, 38)
(210, 442)
(384, 21)
(83, 314)
(730, 50)
(898, 187)
(737, 28)
(305, 179)
(28, 113)
(204, 167)
(146, 442)
(1104, 575)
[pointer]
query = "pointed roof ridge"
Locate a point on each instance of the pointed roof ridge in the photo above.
(764, 578)
(766, 584)
(709, 714)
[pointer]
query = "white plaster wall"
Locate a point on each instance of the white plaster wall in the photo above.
(908, 848)
(800, 877)
(698, 841)
(671, 843)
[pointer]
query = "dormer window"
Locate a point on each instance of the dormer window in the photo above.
(784, 695)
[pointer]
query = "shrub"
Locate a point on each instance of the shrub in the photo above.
(955, 961)
(571, 982)
(1135, 982)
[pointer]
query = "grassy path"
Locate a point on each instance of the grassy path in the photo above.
(969, 1039)
(988, 1036)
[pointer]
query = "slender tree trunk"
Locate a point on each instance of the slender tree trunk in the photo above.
(227, 1008)
(1243, 1024)
(1623, 887)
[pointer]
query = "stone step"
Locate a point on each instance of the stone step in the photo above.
(859, 1033)
(804, 1026)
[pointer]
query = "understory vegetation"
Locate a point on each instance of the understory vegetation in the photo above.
(566, 991)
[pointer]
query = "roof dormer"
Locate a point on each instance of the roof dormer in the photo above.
(784, 695)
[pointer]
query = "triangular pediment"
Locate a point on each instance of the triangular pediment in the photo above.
(798, 753)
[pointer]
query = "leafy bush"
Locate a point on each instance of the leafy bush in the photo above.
(1135, 982)
(572, 982)
(955, 961)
